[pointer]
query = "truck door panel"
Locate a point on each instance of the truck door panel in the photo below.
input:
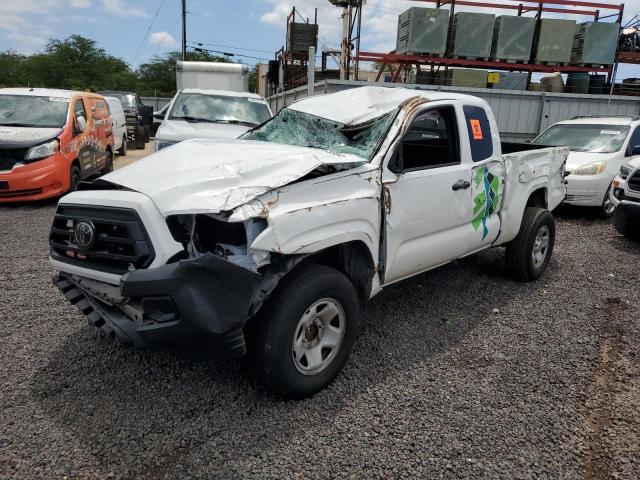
(429, 205)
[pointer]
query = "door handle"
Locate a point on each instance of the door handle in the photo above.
(460, 185)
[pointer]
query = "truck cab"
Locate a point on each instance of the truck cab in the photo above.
(267, 244)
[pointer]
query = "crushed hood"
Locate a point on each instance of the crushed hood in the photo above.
(211, 176)
(178, 130)
(22, 137)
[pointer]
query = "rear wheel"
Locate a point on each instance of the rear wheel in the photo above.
(147, 133)
(140, 138)
(122, 151)
(74, 178)
(529, 253)
(108, 166)
(301, 339)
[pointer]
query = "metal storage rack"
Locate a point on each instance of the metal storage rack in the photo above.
(401, 64)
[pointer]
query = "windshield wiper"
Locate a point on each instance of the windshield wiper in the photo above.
(189, 118)
(236, 122)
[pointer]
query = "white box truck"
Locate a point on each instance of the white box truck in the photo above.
(212, 76)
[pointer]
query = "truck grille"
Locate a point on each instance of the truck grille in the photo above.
(10, 156)
(120, 239)
(634, 181)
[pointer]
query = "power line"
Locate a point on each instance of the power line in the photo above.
(148, 30)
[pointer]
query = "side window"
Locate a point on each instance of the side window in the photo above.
(634, 141)
(479, 133)
(431, 141)
(79, 111)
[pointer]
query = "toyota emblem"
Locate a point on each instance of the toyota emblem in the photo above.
(84, 234)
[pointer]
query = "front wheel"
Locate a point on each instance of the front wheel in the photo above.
(108, 163)
(528, 255)
(140, 138)
(625, 226)
(122, 151)
(302, 337)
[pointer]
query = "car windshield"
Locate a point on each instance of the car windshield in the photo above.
(594, 138)
(128, 100)
(202, 107)
(292, 127)
(31, 111)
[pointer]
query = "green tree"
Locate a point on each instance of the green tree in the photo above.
(12, 68)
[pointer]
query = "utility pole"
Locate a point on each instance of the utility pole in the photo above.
(184, 30)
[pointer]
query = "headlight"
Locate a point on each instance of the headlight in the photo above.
(160, 144)
(44, 150)
(594, 168)
(625, 171)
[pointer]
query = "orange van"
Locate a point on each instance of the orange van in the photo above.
(50, 140)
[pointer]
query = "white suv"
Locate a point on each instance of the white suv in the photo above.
(599, 147)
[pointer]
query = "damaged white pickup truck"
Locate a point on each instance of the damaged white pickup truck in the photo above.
(265, 245)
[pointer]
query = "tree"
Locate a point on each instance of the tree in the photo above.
(12, 68)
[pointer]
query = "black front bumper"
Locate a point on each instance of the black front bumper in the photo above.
(207, 298)
(629, 211)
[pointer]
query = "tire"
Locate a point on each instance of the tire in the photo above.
(278, 332)
(528, 255)
(74, 178)
(108, 167)
(122, 151)
(607, 209)
(625, 227)
(147, 134)
(140, 138)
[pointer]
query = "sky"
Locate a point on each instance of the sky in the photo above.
(135, 30)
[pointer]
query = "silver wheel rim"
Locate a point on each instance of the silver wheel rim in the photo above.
(609, 207)
(318, 336)
(541, 246)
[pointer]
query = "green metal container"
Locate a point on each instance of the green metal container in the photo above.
(555, 40)
(467, 77)
(423, 31)
(472, 34)
(595, 43)
(577, 83)
(512, 38)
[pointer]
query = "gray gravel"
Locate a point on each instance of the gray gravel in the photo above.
(457, 373)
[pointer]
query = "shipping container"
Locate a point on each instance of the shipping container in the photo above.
(595, 43)
(423, 31)
(512, 38)
(555, 40)
(472, 34)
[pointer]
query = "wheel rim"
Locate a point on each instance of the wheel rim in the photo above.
(541, 246)
(318, 336)
(608, 205)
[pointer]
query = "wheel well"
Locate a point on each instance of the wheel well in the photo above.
(354, 260)
(538, 198)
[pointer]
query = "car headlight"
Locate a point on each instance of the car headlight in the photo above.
(43, 150)
(594, 168)
(625, 171)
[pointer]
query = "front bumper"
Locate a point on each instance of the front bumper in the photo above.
(36, 181)
(587, 190)
(207, 298)
(629, 211)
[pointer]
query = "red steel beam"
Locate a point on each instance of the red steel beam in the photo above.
(389, 58)
(515, 7)
(572, 3)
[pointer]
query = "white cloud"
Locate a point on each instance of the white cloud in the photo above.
(162, 38)
(79, 3)
(25, 43)
(120, 8)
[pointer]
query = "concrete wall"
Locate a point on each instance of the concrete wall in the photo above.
(521, 115)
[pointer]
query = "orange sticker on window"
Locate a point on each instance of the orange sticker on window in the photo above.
(476, 129)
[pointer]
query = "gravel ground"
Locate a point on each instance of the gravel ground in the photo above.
(457, 373)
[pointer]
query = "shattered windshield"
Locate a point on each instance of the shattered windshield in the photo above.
(291, 127)
(593, 138)
(31, 111)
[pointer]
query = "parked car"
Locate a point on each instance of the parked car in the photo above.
(625, 195)
(118, 124)
(139, 117)
(158, 117)
(195, 113)
(50, 140)
(599, 147)
(267, 243)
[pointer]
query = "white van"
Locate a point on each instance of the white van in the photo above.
(119, 125)
(196, 113)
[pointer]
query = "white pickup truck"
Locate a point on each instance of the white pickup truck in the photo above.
(264, 245)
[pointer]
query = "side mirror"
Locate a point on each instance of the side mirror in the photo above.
(635, 150)
(81, 124)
